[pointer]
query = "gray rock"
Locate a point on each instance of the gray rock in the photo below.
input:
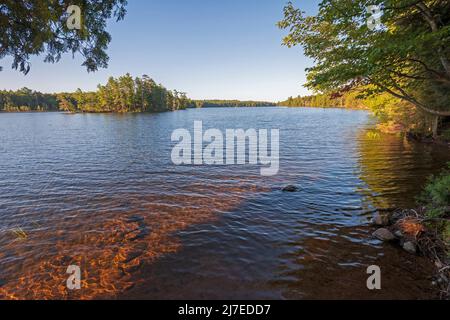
(384, 235)
(410, 247)
(394, 217)
(290, 188)
(398, 234)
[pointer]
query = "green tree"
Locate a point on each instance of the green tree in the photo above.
(124, 94)
(32, 27)
(27, 100)
(67, 102)
(408, 56)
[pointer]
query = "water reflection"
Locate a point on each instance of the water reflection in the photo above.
(396, 169)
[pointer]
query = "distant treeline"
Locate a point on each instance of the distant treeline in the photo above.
(347, 100)
(123, 94)
(231, 103)
(393, 114)
(27, 100)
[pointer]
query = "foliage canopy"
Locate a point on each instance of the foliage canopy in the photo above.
(33, 27)
(408, 56)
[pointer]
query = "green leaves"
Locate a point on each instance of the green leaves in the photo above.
(436, 195)
(406, 57)
(125, 94)
(31, 28)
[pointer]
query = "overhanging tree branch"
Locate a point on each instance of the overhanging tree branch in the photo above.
(404, 96)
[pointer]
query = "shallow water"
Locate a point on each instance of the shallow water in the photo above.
(100, 191)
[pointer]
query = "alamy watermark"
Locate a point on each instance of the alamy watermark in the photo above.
(74, 20)
(375, 13)
(74, 280)
(374, 281)
(227, 149)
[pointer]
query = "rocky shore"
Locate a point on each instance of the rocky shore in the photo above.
(411, 231)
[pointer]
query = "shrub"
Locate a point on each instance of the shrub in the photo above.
(446, 134)
(436, 196)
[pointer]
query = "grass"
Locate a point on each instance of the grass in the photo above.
(373, 135)
(19, 233)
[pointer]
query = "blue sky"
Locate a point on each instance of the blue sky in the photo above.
(225, 49)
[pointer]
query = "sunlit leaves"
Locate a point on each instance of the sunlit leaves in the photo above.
(406, 56)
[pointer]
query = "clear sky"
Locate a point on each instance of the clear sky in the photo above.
(225, 49)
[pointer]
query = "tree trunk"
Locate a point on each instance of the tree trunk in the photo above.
(435, 127)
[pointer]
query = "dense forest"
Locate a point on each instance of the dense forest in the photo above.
(27, 100)
(231, 103)
(348, 100)
(124, 94)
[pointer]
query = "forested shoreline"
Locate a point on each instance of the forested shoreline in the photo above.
(347, 101)
(217, 103)
(393, 115)
(122, 94)
(27, 100)
(119, 95)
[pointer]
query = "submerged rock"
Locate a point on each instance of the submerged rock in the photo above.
(290, 188)
(410, 247)
(384, 235)
(135, 219)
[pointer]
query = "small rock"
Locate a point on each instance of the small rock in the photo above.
(380, 220)
(394, 217)
(410, 247)
(398, 234)
(384, 235)
(290, 188)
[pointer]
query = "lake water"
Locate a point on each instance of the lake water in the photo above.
(100, 191)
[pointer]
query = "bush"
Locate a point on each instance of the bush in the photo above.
(446, 134)
(436, 196)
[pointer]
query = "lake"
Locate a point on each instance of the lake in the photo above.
(100, 191)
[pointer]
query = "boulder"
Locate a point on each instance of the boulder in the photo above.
(384, 235)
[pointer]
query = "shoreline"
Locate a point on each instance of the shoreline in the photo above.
(331, 107)
(410, 230)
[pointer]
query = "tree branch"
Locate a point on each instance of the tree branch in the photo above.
(428, 16)
(404, 96)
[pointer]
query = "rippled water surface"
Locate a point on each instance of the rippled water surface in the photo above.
(100, 191)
